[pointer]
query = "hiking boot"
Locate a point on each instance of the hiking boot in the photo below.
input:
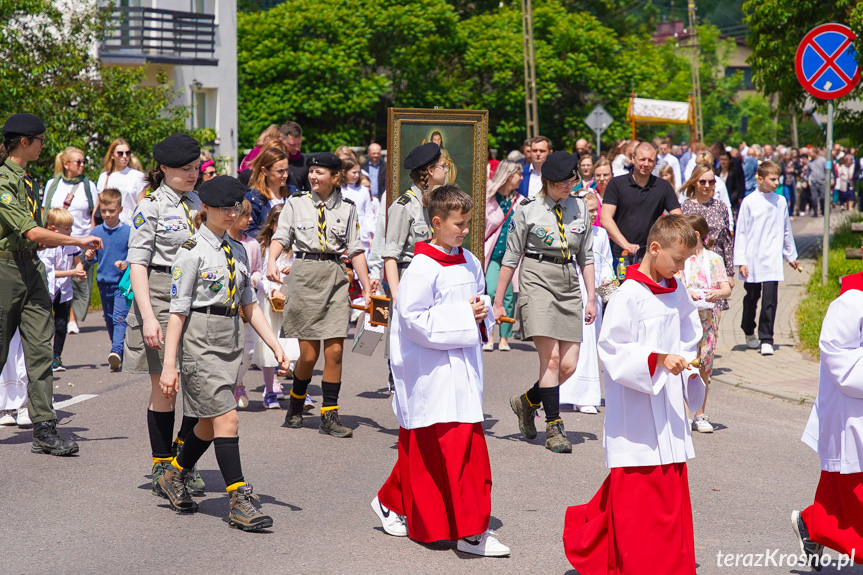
(173, 485)
(194, 482)
(46, 440)
(811, 551)
(294, 417)
(244, 515)
(526, 414)
(555, 438)
(159, 469)
(332, 425)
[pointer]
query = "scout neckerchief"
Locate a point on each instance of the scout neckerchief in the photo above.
(632, 273)
(188, 215)
(322, 226)
(232, 285)
(564, 245)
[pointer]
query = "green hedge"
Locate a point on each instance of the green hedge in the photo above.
(814, 305)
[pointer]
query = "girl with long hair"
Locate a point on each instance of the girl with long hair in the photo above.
(118, 173)
(268, 185)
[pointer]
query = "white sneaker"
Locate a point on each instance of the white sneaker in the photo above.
(7, 418)
(766, 349)
(752, 341)
(485, 544)
(589, 409)
(702, 425)
(73, 327)
(488, 346)
(392, 522)
(23, 418)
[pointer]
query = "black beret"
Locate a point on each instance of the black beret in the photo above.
(325, 160)
(22, 125)
(560, 166)
(177, 150)
(422, 156)
(222, 192)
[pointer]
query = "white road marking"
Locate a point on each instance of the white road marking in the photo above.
(74, 400)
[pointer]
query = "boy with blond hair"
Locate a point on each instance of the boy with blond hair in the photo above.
(763, 238)
(640, 521)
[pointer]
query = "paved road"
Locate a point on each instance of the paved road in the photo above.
(94, 513)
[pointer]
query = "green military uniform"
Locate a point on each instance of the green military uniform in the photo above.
(319, 232)
(24, 299)
(162, 222)
(210, 282)
(552, 236)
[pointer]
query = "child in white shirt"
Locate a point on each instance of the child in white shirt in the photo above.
(440, 487)
(61, 265)
(640, 521)
(763, 238)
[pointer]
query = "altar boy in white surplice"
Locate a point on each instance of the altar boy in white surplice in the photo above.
(440, 487)
(640, 521)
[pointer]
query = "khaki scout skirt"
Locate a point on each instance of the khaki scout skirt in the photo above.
(137, 357)
(210, 352)
(318, 306)
(549, 301)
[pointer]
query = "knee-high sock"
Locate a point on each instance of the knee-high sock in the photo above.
(533, 394)
(160, 424)
(550, 403)
(300, 387)
(193, 449)
(186, 427)
(330, 393)
(228, 457)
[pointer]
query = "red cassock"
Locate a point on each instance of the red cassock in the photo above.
(441, 481)
(835, 520)
(639, 522)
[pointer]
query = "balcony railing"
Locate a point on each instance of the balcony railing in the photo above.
(161, 36)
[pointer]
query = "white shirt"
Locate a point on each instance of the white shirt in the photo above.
(835, 426)
(764, 237)
(645, 416)
(80, 206)
(619, 165)
(535, 184)
(435, 343)
(129, 183)
(360, 196)
(675, 166)
(687, 171)
(55, 260)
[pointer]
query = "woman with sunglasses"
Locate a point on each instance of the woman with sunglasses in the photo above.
(553, 232)
(163, 221)
(118, 174)
(70, 189)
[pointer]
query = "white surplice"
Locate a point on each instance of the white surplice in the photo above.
(583, 386)
(435, 343)
(645, 415)
(764, 237)
(835, 426)
(13, 377)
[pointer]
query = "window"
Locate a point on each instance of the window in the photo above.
(747, 75)
(199, 115)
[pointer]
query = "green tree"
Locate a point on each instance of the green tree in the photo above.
(47, 68)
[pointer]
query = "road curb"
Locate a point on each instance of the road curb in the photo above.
(795, 398)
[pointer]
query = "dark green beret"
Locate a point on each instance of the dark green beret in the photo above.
(26, 125)
(422, 156)
(177, 150)
(222, 192)
(560, 166)
(325, 160)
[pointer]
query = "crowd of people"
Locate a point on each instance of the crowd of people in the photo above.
(600, 260)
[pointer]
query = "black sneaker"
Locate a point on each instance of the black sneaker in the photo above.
(173, 485)
(244, 515)
(58, 365)
(46, 440)
(811, 550)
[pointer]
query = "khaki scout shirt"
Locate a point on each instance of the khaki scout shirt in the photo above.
(159, 226)
(201, 276)
(19, 209)
(533, 230)
(298, 225)
(407, 224)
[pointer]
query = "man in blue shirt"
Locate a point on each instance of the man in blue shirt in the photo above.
(750, 169)
(376, 168)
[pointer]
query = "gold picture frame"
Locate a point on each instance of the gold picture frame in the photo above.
(464, 138)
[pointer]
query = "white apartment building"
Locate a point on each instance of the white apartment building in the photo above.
(194, 44)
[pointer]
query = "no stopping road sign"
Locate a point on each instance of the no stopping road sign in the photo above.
(826, 61)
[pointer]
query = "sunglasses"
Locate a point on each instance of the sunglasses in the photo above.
(77, 162)
(121, 154)
(707, 182)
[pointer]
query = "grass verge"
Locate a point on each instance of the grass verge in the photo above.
(817, 299)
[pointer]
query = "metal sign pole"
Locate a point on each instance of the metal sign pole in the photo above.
(828, 196)
(598, 142)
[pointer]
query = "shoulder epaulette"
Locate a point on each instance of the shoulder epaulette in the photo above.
(189, 244)
(151, 196)
(349, 201)
(525, 201)
(404, 199)
(298, 194)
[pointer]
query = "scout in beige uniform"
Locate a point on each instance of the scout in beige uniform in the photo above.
(24, 299)
(320, 227)
(407, 220)
(162, 221)
(210, 284)
(553, 233)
